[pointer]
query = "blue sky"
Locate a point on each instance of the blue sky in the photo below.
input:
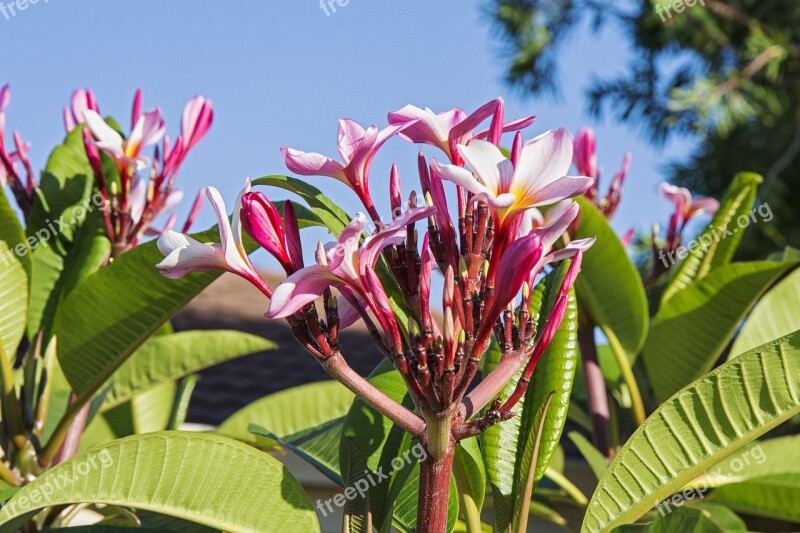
(282, 73)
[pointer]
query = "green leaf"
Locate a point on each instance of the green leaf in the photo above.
(68, 232)
(357, 518)
(692, 329)
(211, 480)
(290, 411)
(110, 315)
(470, 475)
(696, 428)
(151, 409)
(594, 458)
(377, 438)
(775, 315)
(307, 420)
(13, 301)
(166, 358)
(11, 233)
(763, 480)
(609, 287)
(503, 445)
(332, 216)
(700, 262)
(696, 519)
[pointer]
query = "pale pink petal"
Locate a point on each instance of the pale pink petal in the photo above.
(542, 161)
(350, 135)
(514, 125)
(489, 165)
(348, 314)
(391, 234)
(562, 188)
(106, 137)
(173, 200)
(149, 129)
(570, 250)
(423, 126)
(557, 220)
(703, 206)
(343, 257)
(185, 255)
(138, 199)
(196, 121)
(680, 197)
(462, 133)
(461, 177)
(300, 289)
(312, 164)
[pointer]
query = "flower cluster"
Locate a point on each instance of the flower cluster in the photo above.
(511, 214)
(10, 161)
(137, 188)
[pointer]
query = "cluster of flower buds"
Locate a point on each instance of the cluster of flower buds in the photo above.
(511, 218)
(585, 158)
(136, 188)
(10, 161)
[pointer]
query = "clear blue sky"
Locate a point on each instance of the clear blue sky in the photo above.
(282, 73)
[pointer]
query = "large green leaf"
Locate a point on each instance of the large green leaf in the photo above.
(11, 232)
(504, 445)
(332, 216)
(698, 427)
(165, 358)
(290, 411)
(13, 301)
(695, 519)
(701, 261)
(775, 315)
(69, 240)
(207, 479)
(116, 309)
(470, 474)
(609, 287)
(763, 480)
(692, 329)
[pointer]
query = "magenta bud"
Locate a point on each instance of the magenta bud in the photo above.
(136, 109)
(496, 127)
(194, 211)
(395, 193)
(294, 246)
(261, 220)
(516, 148)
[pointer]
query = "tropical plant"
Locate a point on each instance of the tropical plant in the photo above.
(666, 370)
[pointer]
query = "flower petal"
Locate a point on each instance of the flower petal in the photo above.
(185, 255)
(489, 165)
(106, 137)
(300, 289)
(423, 126)
(350, 135)
(343, 257)
(542, 161)
(312, 164)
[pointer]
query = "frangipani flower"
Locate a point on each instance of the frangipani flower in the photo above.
(183, 254)
(149, 129)
(344, 264)
(449, 129)
(539, 177)
(686, 206)
(357, 148)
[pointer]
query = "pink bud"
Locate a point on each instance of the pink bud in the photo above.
(197, 117)
(585, 154)
(395, 193)
(93, 154)
(516, 148)
(293, 245)
(136, 110)
(496, 127)
(194, 211)
(263, 223)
